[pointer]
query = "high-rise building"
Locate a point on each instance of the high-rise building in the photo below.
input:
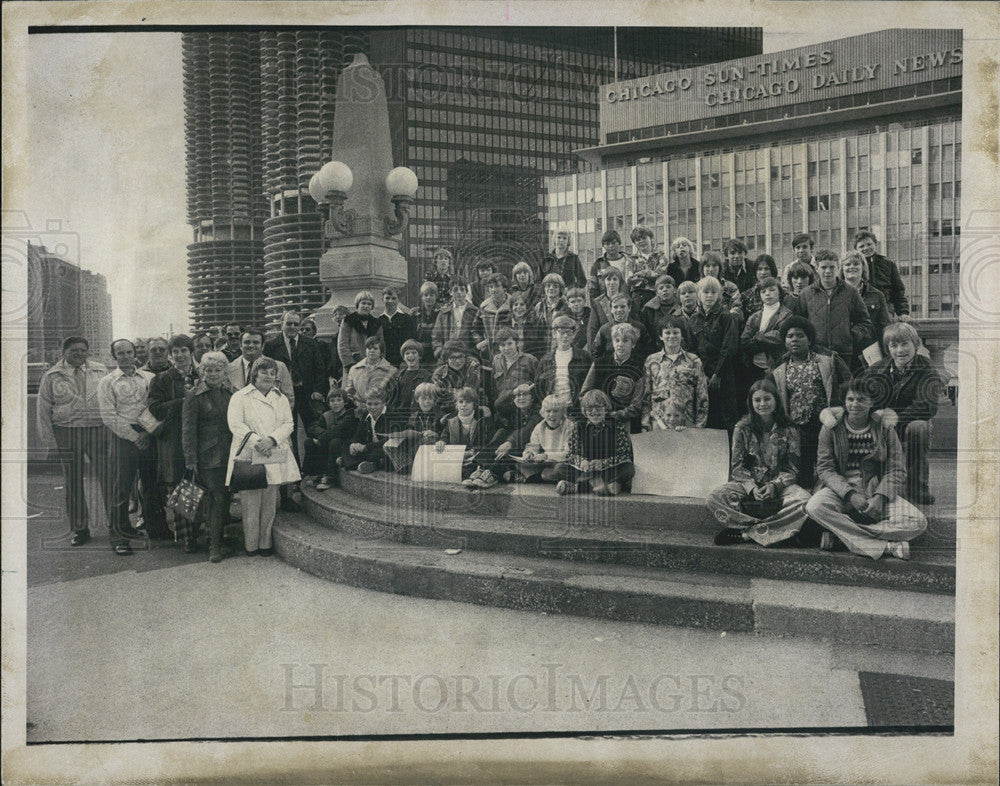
(226, 206)
(63, 301)
(860, 132)
(481, 115)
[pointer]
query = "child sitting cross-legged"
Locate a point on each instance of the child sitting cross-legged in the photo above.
(328, 436)
(599, 457)
(472, 426)
(761, 502)
(457, 370)
(421, 428)
(365, 447)
(862, 473)
(548, 445)
(516, 418)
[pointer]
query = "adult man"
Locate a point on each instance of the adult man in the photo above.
(166, 399)
(304, 360)
(122, 397)
(564, 262)
(232, 348)
(836, 310)
(159, 355)
(202, 344)
(69, 421)
(141, 351)
(252, 347)
(398, 324)
(802, 246)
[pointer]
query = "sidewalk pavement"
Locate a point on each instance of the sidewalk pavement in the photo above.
(163, 645)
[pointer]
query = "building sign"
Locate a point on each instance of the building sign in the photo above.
(874, 61)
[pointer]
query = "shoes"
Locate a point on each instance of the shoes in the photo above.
(366, 467)
(613, 489)
(266, 552)
(899, 549)
(324, 483)
(190, 546)
(80, 537)
(729, 536)
(289, 505)
(340, 461)
(253, 553)
(487, 480)
(922, 496)
(509, 476)
(473, 479)
(830, 542)
(564, 487)
(215, 554)
(599, 487)
(123, 549)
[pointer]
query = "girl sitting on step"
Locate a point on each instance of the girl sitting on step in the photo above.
(472, 426)
(600, 451)
(761, 502)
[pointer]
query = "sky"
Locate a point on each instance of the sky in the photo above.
(106, 119)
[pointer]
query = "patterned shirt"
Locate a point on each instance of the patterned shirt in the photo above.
(806, 394)
(860, 444)
(676, 384)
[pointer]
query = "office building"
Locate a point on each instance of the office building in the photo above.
(858, 132)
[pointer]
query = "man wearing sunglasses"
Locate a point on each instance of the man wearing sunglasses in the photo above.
(232, 348)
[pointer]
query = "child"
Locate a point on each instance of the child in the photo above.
(599, 456)
(421, 428)
(621, 309)
(441, 275)
(516, 420)
(365, 450)
(732, 301)
(910, 386)
(655, 310)
(328, 436)
(371, 372)
(471, 426)
(765, 267)
(761, 340)
(619, 373)
(716, 343)
(456, 371)
(455, 321)
(600, 307)
(807, 383)
(612, 258)
(548, 445)
(492, 313)
(523, 278)
(579, 311)
(562, 370)
(683, 265)
(883, 273)
(485, 269)
(552, 301)
(800, 276)
(511, 366)
(404, 384)
(854, 271)
(426, 316)
(862, 474)
(676, 384)
(761, 501)
(687, 310)
(531, 334)
(740, 273)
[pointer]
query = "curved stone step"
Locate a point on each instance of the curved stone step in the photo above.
(416, 522)
(896, 619)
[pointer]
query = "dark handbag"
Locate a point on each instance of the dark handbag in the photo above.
(246, 475)
(188, 499)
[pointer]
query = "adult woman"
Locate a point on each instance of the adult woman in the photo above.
(854, 270)
(683, 265)
(359, 325)
(206, 440)
(261, 416)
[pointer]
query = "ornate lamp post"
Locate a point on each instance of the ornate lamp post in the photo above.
(362, 239)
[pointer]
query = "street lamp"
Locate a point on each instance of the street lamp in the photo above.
(401, 184)
(329, 187)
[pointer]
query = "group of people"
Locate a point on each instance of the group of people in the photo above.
(543, 376)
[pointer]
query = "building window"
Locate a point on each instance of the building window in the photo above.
(916, 156)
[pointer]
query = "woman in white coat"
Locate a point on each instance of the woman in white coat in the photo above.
(263, 412)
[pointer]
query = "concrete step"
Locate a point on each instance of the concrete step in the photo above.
(540, 503)
(596, 537)
(896, 619)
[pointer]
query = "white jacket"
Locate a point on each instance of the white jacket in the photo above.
(251, 412)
